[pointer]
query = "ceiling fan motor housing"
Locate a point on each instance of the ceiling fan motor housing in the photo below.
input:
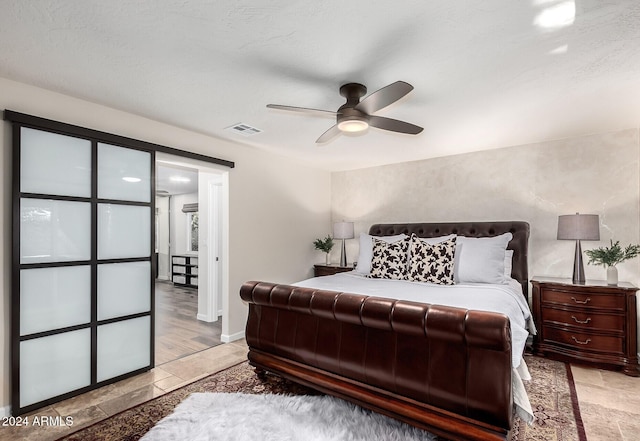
(350, 119)
(353, 90)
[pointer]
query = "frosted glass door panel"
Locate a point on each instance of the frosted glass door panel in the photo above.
(54, 231)
(54, 365)
(123, 289)
(123, 174)
(123, 347)
(123, 231)
(54, 164)
(54, 298)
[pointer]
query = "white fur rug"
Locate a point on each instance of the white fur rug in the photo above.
(268, 417)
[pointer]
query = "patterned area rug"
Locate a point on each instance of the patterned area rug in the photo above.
(552, 396)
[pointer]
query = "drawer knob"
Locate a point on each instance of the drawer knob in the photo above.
(584, 322)
(586, 342)
(587, 300)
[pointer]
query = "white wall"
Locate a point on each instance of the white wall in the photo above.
(277, 206)
(178, 228)
(592, 174)
(162, 233)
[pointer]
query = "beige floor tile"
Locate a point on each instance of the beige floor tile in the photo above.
(86, 416)
(204, 363)
(144, 379)
(242, 343)
(613, 399)
(169, 383)
(221, 351)
(609, 404)
(131, 399)
(601, 423)
(88, 399)
(587, 375)
(618, 380)
(630, 429)
(111, 391)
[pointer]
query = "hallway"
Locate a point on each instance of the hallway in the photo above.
(178, 332)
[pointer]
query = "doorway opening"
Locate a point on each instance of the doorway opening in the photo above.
(191, 274)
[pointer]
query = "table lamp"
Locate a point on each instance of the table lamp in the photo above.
(343, 230)
(578, 227)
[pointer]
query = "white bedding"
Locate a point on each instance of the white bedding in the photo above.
(506, 299)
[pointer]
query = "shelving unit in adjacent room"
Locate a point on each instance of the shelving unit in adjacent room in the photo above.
(184, 270)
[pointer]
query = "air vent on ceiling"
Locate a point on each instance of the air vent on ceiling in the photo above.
(244, 129)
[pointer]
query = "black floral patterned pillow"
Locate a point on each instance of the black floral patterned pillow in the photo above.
(389, 259)
(431, 263)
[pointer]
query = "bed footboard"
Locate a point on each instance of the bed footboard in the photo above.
(446, 370)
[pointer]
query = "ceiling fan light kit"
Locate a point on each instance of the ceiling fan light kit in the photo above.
(353, 125)
(355, 116)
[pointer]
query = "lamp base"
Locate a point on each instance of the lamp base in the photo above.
(578, 267)
(343, 255)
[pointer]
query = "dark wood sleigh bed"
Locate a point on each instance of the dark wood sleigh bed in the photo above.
(447, 370)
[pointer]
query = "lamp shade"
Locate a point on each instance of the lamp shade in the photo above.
(343, 230)
(578, 227)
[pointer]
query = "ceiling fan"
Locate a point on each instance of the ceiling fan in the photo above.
(356, 116)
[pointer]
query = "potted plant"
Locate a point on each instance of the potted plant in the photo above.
(609, 257)
(324, 245)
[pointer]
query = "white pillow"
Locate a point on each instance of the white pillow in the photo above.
(508, 263)
(481, 259)
(366, 250)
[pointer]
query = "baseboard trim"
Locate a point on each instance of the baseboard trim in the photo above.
(226, 338)
(5, 411)
(206, 318)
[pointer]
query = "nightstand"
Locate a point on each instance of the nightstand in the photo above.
(591, 323)
(330, 270)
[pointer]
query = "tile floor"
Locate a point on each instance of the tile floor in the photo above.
(99, 404)
(609, 401)
(609, 404)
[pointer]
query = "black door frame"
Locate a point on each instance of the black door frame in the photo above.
(20, 120)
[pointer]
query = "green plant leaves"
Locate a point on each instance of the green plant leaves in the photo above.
(324, 244)
(613, 255)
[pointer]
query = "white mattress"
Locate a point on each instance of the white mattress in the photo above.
(506, 299)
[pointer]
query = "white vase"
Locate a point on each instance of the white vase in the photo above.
(612, 275)
(328, 258)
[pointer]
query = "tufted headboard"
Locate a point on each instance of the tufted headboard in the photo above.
(519, 243)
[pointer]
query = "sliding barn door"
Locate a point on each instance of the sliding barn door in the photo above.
(82, 302)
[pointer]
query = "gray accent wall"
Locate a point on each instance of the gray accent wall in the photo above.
(595, 174)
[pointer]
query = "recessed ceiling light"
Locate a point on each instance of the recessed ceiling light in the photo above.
(556, 16)
(179, 179)
(131, 179)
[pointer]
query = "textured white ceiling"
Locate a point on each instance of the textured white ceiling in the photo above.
(173, 179)
(486, 74)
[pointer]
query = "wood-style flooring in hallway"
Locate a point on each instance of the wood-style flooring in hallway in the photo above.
(178, 331)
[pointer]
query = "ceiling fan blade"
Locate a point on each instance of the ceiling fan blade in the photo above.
(302, 109)
(329, 134)
(383, 97)
(394, 125)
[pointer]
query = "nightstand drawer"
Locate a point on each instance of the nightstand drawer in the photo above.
(584, 319)
(591, 322)
(586, 300)
(586, 342)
